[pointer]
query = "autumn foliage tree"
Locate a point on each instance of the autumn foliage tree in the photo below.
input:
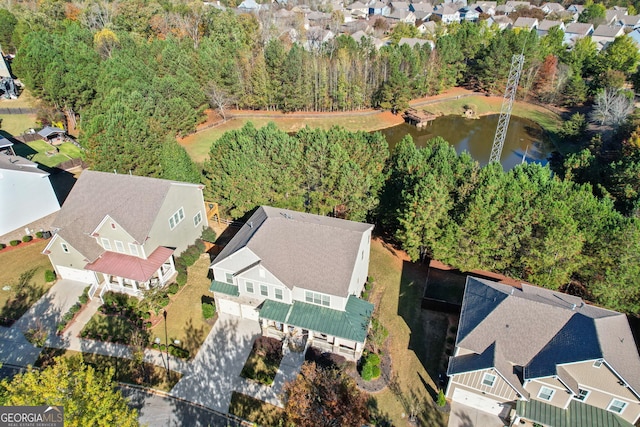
(324, 397)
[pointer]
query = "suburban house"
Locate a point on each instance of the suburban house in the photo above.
(6, 146)
(300, 275)
(50, 133)
(575, 31)
(26, 193)
(447, 13)
(527, 24)
(547, 24)
(548, 8)
(121, 232)
(605, 34)
(630, 22)
(552, 357)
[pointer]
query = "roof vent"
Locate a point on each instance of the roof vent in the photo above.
(250, 224)
(573, 306)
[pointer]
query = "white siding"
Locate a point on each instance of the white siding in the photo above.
(25, 197)
(336, 303)
(361, 267)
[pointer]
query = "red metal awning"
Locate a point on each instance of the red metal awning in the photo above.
(130, 267)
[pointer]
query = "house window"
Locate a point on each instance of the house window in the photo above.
(316, 298)
(546, 393)
(133, 249)
(582, 395)
(228, 278)
(617, 406)
(176, 218)
(119, 246)
(278, 293)
(597, 363)
(197, 219)
(489, 380)
(106, 243)
(264, 290)
(249, 287)
(65, 248)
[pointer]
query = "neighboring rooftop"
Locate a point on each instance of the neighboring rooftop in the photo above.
(20, 164)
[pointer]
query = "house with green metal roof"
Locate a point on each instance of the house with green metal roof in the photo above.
(301, 276)
(528, 353)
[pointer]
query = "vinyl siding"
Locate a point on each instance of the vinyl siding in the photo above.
(113, 234)
(561, 397)
(57, 256)
(501, 390)
(361, 267)
(335, 302)
(188, 197)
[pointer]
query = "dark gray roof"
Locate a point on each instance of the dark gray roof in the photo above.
(132, 201)
(50, 130)
(540, 329)
(20, 164)
(309, 251)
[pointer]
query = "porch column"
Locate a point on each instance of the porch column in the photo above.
(120, 281)
(160, 275)
(134, 284)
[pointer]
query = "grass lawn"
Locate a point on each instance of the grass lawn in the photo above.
(184, 314)
(254, 410)
(125, 370)
(416, 336)
(112, 328)
(27, 261)
(36, 151)
(198, 144)
(17, 124)
(263, 361)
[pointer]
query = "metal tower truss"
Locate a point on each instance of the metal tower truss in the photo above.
(507, 104)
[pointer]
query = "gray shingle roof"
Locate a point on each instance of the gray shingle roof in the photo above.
(20, 164)
(540, 329)
(132, 201)
(607, 31)
(309, 251)
(578, 28)
(547, 24)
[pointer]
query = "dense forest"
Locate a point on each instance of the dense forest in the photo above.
(136, 74)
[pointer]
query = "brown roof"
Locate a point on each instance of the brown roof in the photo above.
(131, 201)
(130, 267)
(309, 251)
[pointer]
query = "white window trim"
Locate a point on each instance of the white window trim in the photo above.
(133, 249)
(226, 278)
(320, 296)
(624, 406)
(485, 377)
(586, 395)
(177, 218)
(65, 247)
(253, 287)
(106, 244)
(197, 219)
(275, 293)
(262, 288)
(119, 246)
(552, 392)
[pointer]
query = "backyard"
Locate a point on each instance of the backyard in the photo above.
(41, 152)
(22, 280)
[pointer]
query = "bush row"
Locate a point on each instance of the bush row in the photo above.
(66, 318)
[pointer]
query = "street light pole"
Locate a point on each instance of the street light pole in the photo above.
(166, 340)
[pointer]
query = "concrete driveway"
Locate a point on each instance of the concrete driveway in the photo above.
(466, 416)
(215, 371)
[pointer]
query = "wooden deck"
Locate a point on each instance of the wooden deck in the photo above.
(418, 118)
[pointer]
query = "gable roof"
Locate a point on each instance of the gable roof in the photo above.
(131, 201)
(20, 164)
(547, 24)
(578, 28)
(47, 131)
(540, 329)
(608, 31)
(310, 251)
(524, 22)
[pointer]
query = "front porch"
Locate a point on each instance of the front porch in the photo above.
(132, 275)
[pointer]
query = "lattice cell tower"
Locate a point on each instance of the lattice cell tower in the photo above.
(507, 104)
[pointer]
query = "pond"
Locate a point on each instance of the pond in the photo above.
(475, 136)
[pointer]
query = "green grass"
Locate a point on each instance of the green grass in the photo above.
(254, 410)
(36, 151)
(125, 370)
(185, 321)
(23, 260)
(17, 124)
(71, 150)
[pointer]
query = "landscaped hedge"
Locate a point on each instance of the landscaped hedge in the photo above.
(14, 242)
(27, 239)
(66, 318)
(208, 310)
(49, 276)
(208, 235)
(370, 368)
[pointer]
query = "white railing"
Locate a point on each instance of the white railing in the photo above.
(166, 276)
(92, 290)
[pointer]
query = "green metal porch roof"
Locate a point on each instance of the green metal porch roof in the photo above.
(351, 324)
(274, 310)
(578, 414)
(224, 288)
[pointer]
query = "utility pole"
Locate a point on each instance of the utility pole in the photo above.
(517, 61)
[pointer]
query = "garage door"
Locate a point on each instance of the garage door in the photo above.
(477, 401)
(84, 276)
(249, 312)
(229, 307)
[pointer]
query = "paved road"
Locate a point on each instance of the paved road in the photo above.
(160, 411)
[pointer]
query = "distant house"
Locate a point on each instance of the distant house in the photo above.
(251, 6)
(548, 8)
(526, 23)
(26, 193)
(49, 133)
(469, 14)
(358, 9)
(300, 275)
(401, 16)
(557, 360)
(612, 16)
(399, 5)
(605, 34)
(379, 8)
(447, 14)
(316, 37)
(575, 10)
(427, 27)
(422, 11)
(500, 21)
(120, 232)
(412, 42)
(6, 146)
(488, 7)
(629, 21)
(362, 37)
(576, 31)
(635, 37)
(545, 25)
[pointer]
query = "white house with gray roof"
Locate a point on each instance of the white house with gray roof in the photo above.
(557, 360)
(300, 275)
(120, 232)
(26, 193)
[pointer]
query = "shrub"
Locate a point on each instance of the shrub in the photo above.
(163, 302)
(442, 400)
(49, 276)
(373, 359)
(2, 246)
(180, 264)
(75, 308)
(27, 239)
(450, 340)
(367, 372)
(453, 329)
(208, 310)
(146, 315)
(14, 242)
(178, 352)
(199, 244)
(84, 298)
(172, 289)
(181, 278)
(208, 235)
(370, 369)
(39, 234)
